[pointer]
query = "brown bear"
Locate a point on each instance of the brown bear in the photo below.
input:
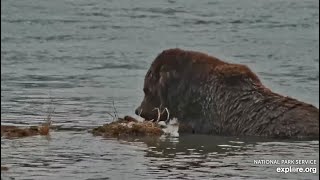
(210, 96)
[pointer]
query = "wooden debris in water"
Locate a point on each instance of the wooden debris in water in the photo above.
(20, 132)
(4, 168)
(128, 126)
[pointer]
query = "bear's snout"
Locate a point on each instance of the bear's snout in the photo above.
(137, 111)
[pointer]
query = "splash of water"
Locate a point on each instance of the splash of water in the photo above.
(170, 128)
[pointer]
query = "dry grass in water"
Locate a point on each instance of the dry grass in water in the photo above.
(44, 129)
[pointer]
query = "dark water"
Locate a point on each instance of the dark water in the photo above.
(81, 55)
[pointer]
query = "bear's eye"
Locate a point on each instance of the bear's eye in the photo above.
(146, 90)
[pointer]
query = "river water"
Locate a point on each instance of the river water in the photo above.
(80, 56)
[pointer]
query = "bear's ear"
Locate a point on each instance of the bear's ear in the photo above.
(166, 75)
(164, 68)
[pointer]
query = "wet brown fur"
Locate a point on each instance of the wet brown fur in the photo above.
(211, 96)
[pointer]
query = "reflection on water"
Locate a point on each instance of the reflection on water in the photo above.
(70, 155)
(207, 157)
